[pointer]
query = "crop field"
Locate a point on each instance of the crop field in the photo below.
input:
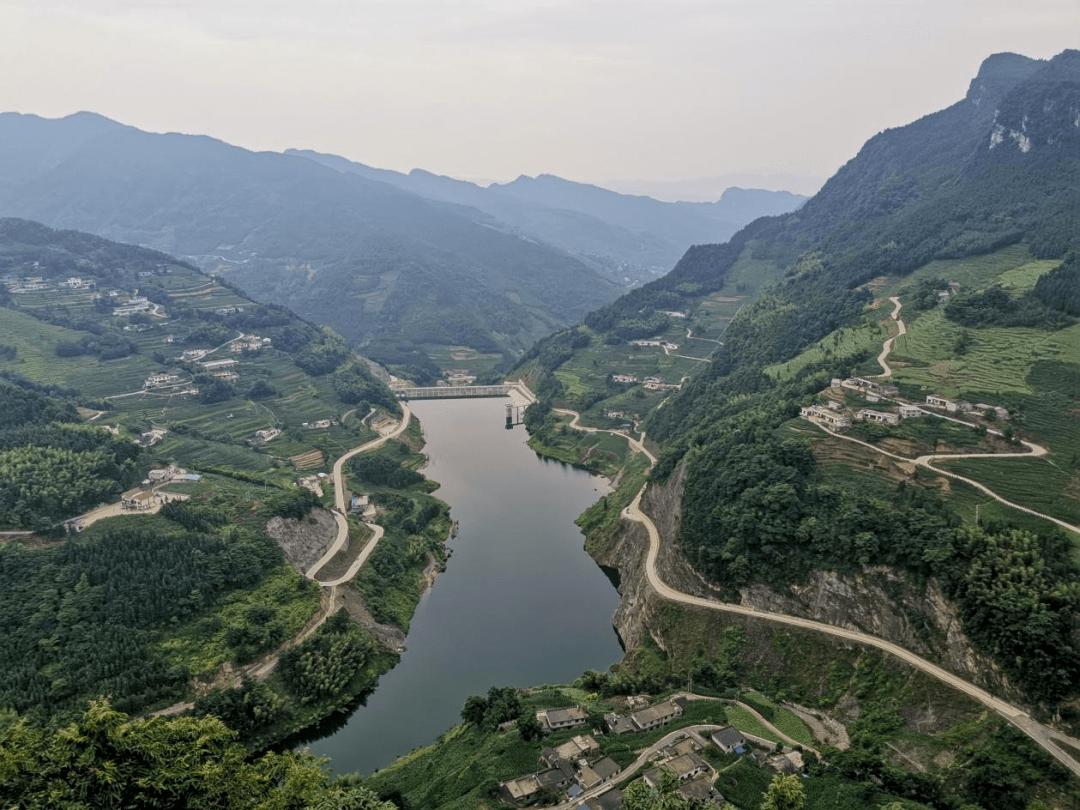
(1012, 266)
(843, 343)
(1035, 483)
(785, 720)
(998, 359)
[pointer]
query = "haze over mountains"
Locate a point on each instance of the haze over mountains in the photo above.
(393, 262)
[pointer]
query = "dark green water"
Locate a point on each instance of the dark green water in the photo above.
(520, 603)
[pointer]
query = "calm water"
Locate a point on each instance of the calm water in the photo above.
(520, 603)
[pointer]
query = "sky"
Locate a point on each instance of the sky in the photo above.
(632, 94)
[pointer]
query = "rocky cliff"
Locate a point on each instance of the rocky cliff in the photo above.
(878, 600)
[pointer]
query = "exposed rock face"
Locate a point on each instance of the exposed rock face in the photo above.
(304, 540)
(878, 600)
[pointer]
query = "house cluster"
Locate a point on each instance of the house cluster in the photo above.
(25, 284)
(827, 416)
(577, 767)
(76, 283)
(673, 314)
(647, 718)
(193, 354)
(152, 436)
(624, 378)
(564, 768)
(228, 310)
(249, 343)
(138, 499)
(322, 424)
(264, 436)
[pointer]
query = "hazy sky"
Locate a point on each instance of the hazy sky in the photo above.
(591, 90)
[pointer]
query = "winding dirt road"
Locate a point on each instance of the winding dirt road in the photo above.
(887, 347)
(339, 507)
(1043, 735)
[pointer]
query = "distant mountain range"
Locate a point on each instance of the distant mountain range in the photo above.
(394, 262)
(628, 237)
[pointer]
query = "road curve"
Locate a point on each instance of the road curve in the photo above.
(1043, 735)
(887, 347)
(338, 478)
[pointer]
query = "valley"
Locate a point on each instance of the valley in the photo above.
(842, 498)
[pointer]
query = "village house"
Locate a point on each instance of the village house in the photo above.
(228, 310)
(868, 384)
(162, 474)
(673, 314)
(161, 380)
(624, 378)
(579, 746)
(646, 719)
(878, 417)
(816, 413)
(132, 308)
(729, 740)
(597, 773)
(555, 719)
(193, 354)
(608, 800)
(950, 405)
(701, 790)
(685, 767)
(228, 376)
(910, 411)
(138, 499)
(263, 436)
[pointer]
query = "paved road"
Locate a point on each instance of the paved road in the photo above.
(1043, 735)
(339, 503)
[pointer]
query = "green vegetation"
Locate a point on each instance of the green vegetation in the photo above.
(105, 759)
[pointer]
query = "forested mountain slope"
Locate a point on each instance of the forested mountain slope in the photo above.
(629, 238)
(983, 194)
(389, 270)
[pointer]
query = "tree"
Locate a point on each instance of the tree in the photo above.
(784, 793)
(529, 727)
(107, 760)
(663, 795)
(474, 710)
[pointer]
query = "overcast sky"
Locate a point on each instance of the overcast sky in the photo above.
(592, 90)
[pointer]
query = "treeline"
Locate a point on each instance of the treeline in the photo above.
(995, 307)
(1060, 288)
(354, 384)
(81, 619)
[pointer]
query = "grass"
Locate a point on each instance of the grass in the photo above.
(745, 722)
(785, 720)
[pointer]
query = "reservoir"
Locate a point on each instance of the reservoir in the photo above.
(519, 604)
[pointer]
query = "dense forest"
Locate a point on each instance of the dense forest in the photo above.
(52, 467)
